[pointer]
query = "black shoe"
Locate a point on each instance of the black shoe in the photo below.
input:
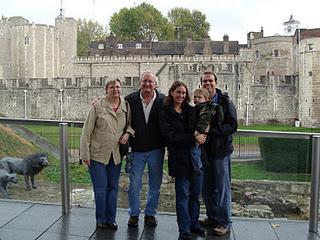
(113, 226)
(207, 222)
(199, 231)
(102, 226)
(133, 221)
(184, 236)
(150, 221)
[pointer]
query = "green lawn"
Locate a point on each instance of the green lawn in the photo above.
(282, 128)
(256, 171)
(52, 134)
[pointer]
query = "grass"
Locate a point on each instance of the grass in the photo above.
(283, 128)
(52, 134)
(256, 171)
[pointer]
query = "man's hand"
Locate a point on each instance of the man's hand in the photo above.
(94, 101)
(124, 138)
(200, 138)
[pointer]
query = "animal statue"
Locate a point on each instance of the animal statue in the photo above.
(28, 166)
(6, 178)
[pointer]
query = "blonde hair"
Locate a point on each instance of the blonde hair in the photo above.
(203, 92)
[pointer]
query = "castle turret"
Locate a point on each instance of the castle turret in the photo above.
(290, 26)
(66, 44)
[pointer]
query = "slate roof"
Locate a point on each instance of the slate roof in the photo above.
(160, 47)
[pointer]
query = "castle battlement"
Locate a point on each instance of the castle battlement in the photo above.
(158, 59)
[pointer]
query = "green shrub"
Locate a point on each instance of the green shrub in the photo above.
(286, 155)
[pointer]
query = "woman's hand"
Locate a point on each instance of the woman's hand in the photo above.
(200, 138)
(124, 138)
(86, 162)
(94, 101)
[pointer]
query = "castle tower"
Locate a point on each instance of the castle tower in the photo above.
(290, 26)
(5, 58)
(66, 45)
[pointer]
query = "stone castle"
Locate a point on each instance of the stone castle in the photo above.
(271, 79)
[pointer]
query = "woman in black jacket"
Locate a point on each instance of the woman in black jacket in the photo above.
(174, 117)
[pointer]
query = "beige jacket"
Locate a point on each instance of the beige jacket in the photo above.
(102, 130)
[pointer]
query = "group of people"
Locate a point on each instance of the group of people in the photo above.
(199, 144)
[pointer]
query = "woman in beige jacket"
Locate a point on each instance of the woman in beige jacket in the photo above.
(102, 133)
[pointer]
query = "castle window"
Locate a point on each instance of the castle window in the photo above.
(229, 67)
(276, 53)
(263, 79)
(138, 45)
(226, 87)
(127, 81)
(239, 103)
(257, 54)
(100, 46)
(310, 47)
(27, 40)
(310, 73)
(275, 105)
(239, 86)
(120, 46)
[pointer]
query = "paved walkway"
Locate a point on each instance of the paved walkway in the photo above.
(28, 221)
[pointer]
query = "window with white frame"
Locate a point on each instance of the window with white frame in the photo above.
(138, 45)
(120, 46)
(276, 53)
(100, 46)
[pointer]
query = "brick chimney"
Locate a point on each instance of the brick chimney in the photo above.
(189, 50)
(207, 50)
(226, 44)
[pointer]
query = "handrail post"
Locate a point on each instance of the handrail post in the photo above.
(314, 190)
(65, 183)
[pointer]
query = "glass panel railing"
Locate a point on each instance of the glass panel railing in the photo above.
(81, 187)
(270, 170)
(23, 152)
(271, 176)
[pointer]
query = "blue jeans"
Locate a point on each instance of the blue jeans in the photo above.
(188, 190)
(196, 158)
(216, 191)
(105, 180)
(154, 161)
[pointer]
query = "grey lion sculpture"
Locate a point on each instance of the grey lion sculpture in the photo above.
(6, 178)
(28, 166)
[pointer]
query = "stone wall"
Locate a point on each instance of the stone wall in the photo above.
(251, 198)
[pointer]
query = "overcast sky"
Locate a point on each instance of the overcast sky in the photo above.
(233, 17)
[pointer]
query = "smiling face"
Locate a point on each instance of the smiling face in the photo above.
(209, 82)
(113, 89)
(148, 83)
(179, 95)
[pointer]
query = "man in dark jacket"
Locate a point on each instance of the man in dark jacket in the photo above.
(217, 174)
(147, 148)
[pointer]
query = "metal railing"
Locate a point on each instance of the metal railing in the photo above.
(65, 182)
